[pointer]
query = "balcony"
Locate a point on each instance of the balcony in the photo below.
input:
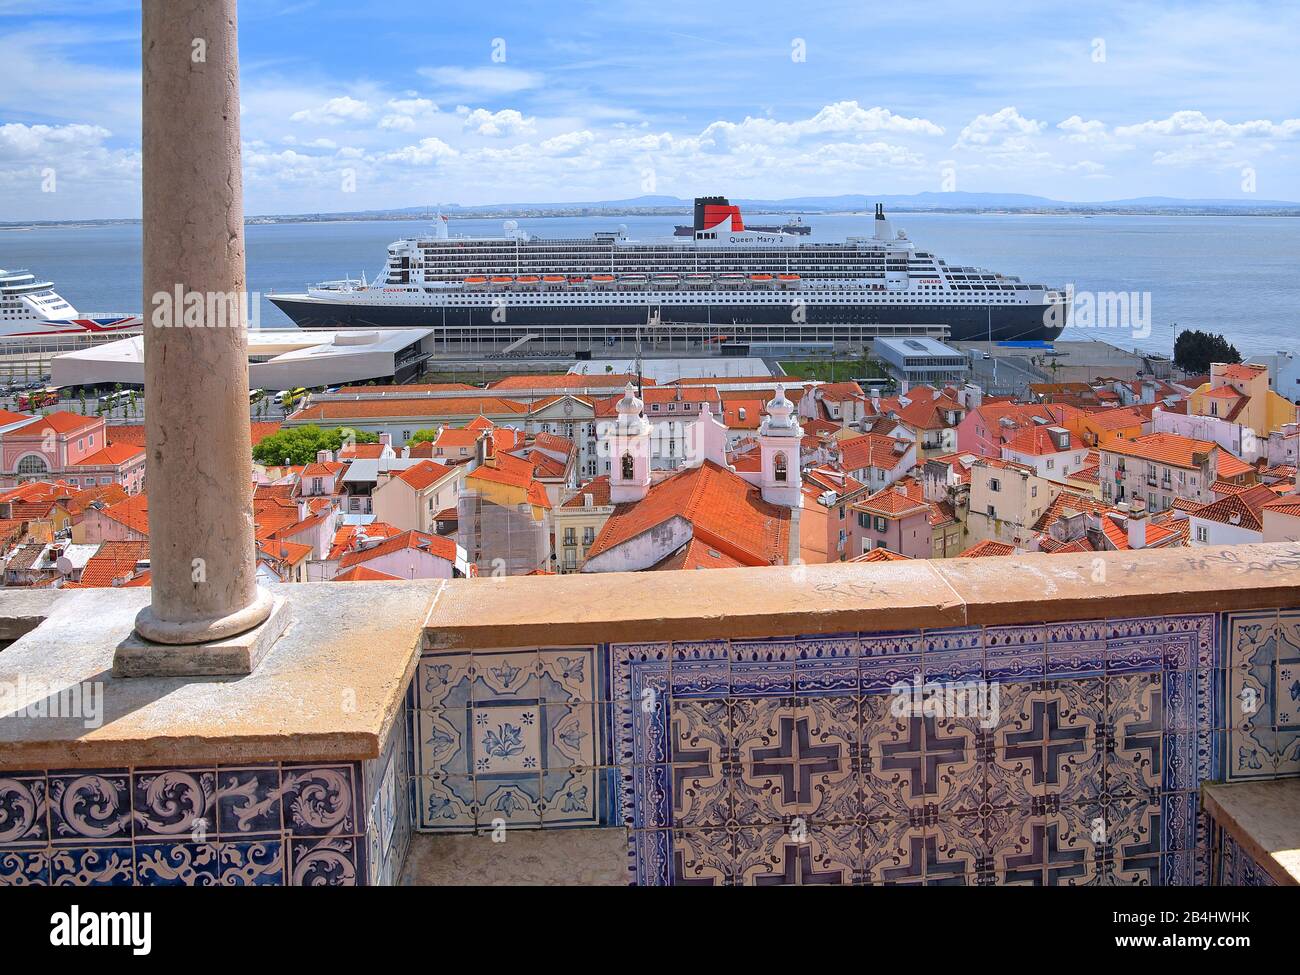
(644, 719)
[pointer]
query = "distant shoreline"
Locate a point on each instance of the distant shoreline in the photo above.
(526, 214)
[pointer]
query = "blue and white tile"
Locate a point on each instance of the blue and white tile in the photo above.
(89, 806)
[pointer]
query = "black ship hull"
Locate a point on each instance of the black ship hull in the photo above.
(737, 323)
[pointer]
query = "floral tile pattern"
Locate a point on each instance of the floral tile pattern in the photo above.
(514, 738)
(286, 823)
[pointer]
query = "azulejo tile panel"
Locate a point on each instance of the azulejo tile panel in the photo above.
(1077, 761)
(511, 737)
(278, 823)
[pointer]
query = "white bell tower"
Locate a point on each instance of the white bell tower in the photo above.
(779, 438)
(629, 449)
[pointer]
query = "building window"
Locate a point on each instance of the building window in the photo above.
(995, 484)
(880, 524)
(629, 468)
(32, 464)
(1202, 533)
(781, 472)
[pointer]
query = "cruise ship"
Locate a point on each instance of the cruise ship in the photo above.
(725, 286)
(31, 309)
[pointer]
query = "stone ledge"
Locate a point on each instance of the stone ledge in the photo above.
(1264, 819)
(328, 690)
(878, 597)
(21, 610)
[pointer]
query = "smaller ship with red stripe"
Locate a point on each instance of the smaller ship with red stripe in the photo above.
(30, 308)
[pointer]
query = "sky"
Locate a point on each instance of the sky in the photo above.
(350, 105)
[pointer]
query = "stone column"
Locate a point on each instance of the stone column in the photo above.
(195, 350)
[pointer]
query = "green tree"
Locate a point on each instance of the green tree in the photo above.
(422, 436)
(1194, 350)
(300, 444)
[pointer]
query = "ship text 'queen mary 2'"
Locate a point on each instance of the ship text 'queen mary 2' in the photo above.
(724, 284)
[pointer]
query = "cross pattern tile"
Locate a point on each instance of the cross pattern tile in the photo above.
(811, 761)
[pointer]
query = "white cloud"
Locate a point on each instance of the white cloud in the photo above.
(345, 108)
(567, 143)
(498, 80)
(842, 118)
(1078, 130)
(19, 141)
(1005, 131)
(427, 151)
(1199, 124)
(508, 121)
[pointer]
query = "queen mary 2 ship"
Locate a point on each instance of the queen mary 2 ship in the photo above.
(31, 310)
(725, 285)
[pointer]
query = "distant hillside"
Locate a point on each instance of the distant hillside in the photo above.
(946, 202)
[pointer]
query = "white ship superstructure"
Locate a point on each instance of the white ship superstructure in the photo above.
(31, 309)
(725, 282)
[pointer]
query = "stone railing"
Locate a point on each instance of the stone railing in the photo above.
(1044, 719)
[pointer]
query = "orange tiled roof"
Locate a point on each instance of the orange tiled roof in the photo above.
(1246, 506)
(342, 410)
(285, 553)
(1068, 503)
(106, 494)
(696, 554)
(444, 548)
(881, 555)
(1231, 466)
(114, 455)
(1037, 440)
(892, 502)
(345, 535)
(552, 441)
(1287, 505)
(421, 475)
(363, 573)
(1115, 419)
(259, 430)
(324, 468)
(724, 509)
(361, 451)
(1164, 448)
(986, 548)
(113, 562)
(597, 487)
(133, 513)
(1241, 371)
(872, 450)
(62, 421)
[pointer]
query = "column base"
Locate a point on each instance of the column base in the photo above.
(236, 655)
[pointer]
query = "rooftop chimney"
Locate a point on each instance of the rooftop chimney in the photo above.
(1137, 524)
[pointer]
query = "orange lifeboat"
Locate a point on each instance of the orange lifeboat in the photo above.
(602, 278)
(476, 279)
(787, 277)
(502, 279)
(553, 279)
(577, 279)
(526, 279)
(761, 278)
